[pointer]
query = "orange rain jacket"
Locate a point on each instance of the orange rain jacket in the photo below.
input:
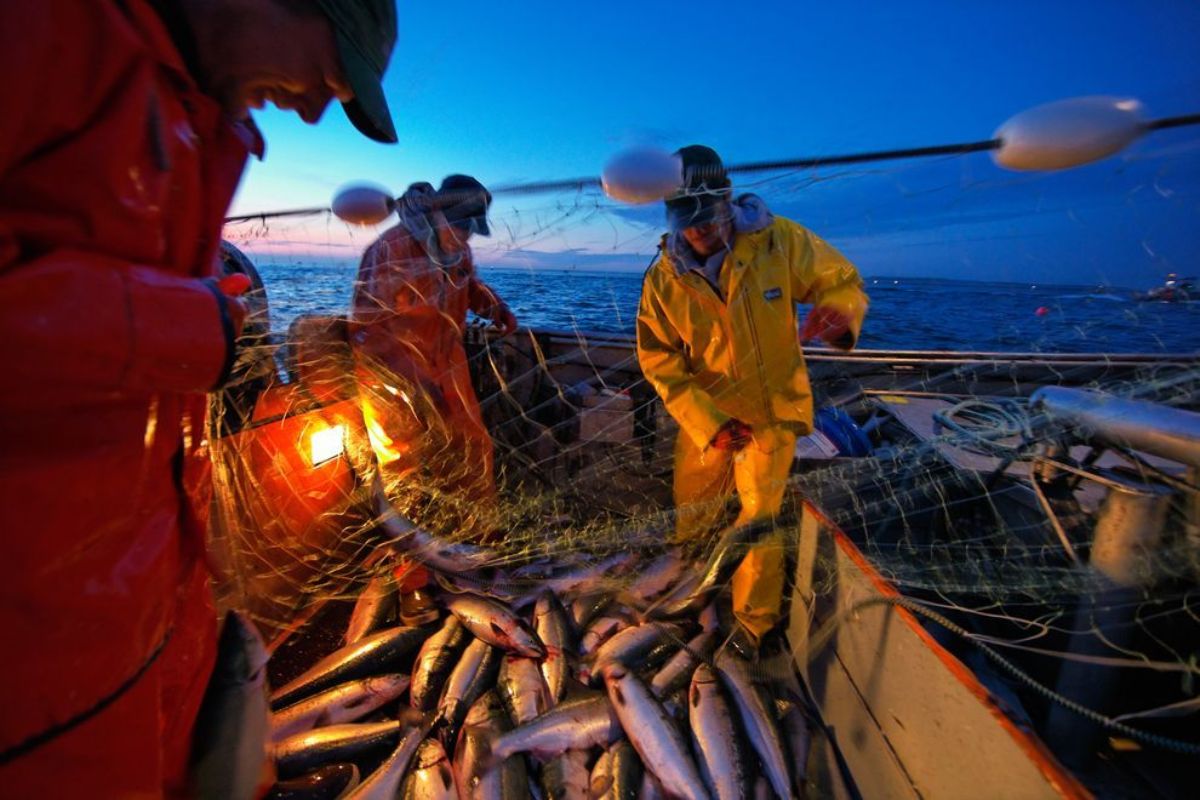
(115, 174)
(408, 319)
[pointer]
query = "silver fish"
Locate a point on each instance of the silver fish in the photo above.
(601, 630)
(657, 577)
(451, 557)
(722, 760)
(677, 672)
(522, 689)
(374, 609)
(586, 608)
(383, 783)
(575, 724)
(345, 703)
(229, 743)
(634, 646)
(430, 777)
(589, 577)
(497, 625)
(565, 777)
(726, 556)
(600, 779)
(474, 774)
(306, 751)
(327, 783)
(434, 663)
(799, 739)
(617, 774)
(651, 789)
(386, 651)
(550, 623)
(757, 720)
(653, 733)
(474, 674)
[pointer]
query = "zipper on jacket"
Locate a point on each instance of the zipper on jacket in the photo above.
(723, 317)
(762, 381)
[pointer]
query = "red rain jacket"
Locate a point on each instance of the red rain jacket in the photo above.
(409, 315)
(115, 174)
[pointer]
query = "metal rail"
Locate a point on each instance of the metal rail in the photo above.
(1160, 430)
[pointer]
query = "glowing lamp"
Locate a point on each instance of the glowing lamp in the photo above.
(327, 444)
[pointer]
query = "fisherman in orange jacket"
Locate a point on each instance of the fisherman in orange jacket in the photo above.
(124, 133)
(415, 286)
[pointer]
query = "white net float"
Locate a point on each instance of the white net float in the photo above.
(642, 175)
(363, 204)
(1068, 133)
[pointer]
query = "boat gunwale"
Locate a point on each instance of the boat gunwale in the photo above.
(1059, 778)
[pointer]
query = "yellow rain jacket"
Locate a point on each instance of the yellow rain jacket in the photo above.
(733, 351)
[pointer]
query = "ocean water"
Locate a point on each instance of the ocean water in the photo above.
(905, 313)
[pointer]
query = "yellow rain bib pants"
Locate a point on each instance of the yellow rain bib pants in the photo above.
(732, 352)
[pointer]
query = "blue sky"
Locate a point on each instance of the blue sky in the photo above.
(541, 90)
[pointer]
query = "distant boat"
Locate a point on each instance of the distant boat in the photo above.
(1173, 290)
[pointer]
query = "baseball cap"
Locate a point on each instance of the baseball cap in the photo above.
(704, 196)
(464, 200)
(365, 31)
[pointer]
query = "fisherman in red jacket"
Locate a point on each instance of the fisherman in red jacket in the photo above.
(415, 285)
(124, 131)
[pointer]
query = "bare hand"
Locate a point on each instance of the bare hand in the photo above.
(504, 320)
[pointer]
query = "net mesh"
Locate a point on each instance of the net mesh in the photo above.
(964, 496)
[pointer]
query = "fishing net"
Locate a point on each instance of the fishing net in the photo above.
(975, 504)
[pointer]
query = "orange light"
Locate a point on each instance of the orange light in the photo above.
(327, 444)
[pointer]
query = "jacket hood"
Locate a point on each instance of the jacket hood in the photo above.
(416, 216)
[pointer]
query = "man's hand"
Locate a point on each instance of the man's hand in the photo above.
(504, 320)
(829, 324)
(733, 436)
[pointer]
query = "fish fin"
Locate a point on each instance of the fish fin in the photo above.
(599, 786)
(355, 779)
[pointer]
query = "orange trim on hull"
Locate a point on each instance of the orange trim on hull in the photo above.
(1056, 775)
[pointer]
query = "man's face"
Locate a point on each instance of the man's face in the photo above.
(292, 64)
(708, 238)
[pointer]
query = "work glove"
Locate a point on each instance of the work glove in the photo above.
(732, 436)
(231, 288)
(504, 320)
(828, 324)
(234, 309)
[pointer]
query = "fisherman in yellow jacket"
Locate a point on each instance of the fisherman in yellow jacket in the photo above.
(718, 338)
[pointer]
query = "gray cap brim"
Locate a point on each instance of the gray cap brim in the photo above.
(691, 211)
(368, 111)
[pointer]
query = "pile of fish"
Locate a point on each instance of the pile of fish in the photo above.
(614, 678)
